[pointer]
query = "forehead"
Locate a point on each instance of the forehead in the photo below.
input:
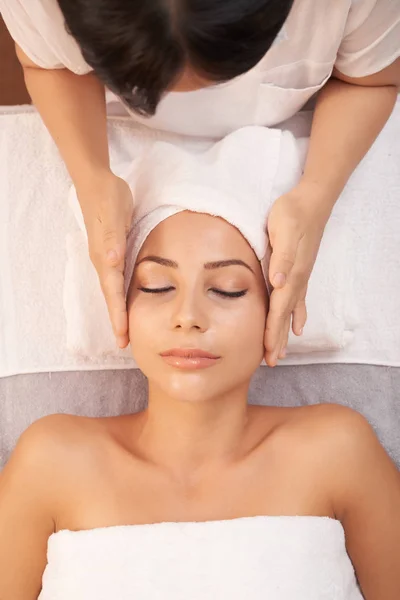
(194, 236)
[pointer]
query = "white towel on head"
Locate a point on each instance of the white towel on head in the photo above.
(221, 182)
(237, 179)
(256, 558)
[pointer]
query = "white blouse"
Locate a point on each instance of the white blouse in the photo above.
(359, 37)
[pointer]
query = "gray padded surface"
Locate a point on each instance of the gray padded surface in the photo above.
(373, 391)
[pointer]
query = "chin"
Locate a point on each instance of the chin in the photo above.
(183, 385)
(189, 387)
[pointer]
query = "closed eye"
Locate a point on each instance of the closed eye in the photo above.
(238, 294)
(156, 290)
(222, 293)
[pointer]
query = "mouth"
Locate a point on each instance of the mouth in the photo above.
(189, 359)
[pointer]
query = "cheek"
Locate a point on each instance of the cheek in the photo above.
(252, 332)
(144, 329)
(245, 330)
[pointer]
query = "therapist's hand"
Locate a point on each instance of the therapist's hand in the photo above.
(295, 227)
(107, 208)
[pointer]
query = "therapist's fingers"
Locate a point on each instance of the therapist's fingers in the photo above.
(282, 261)
(107, 246)
(113, 286)
(108, 217)
(112, 275)
(283, 257)
(300, 313)
(285, 339)
(110, 270)
(278, 318)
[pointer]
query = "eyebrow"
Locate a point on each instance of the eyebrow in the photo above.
(217, 264)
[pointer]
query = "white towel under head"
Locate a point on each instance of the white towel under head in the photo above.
(237, 179)
(279, 558)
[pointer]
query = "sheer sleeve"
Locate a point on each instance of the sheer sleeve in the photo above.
(37, 26)
(371, 39)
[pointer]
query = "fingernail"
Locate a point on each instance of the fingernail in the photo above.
(121, 341)
(301, 331)
(112, 256)
(274, 359)
(279, 280)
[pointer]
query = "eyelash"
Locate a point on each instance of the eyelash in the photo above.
(221, 293)
(155, 290)
(239, 294)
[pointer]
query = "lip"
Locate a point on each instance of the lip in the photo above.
(189, 359)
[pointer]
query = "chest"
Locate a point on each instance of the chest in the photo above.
(141, 494)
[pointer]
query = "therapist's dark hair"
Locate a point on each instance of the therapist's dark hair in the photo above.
(138, 48)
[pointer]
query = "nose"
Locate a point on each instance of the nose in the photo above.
(189, 312)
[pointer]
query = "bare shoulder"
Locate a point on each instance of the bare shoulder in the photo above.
(340, 435)
(53, 445)
(346, 451)
(330, 426)
(363, 485)
(35, 485)
(326, 437)
(54, 432)
(322, 425)
(343, 434)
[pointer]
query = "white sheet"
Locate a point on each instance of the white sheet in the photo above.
(31, 284)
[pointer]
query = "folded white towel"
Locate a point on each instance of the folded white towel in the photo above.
(237, 179)
(279, 558)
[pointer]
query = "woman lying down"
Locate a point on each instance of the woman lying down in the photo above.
(200, 496)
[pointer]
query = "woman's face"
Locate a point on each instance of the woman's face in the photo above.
(197, 308)
(190, 81)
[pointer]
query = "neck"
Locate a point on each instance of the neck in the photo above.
(188, 438)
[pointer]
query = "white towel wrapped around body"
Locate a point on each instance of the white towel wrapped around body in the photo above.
(238, 179)
(256, 558)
